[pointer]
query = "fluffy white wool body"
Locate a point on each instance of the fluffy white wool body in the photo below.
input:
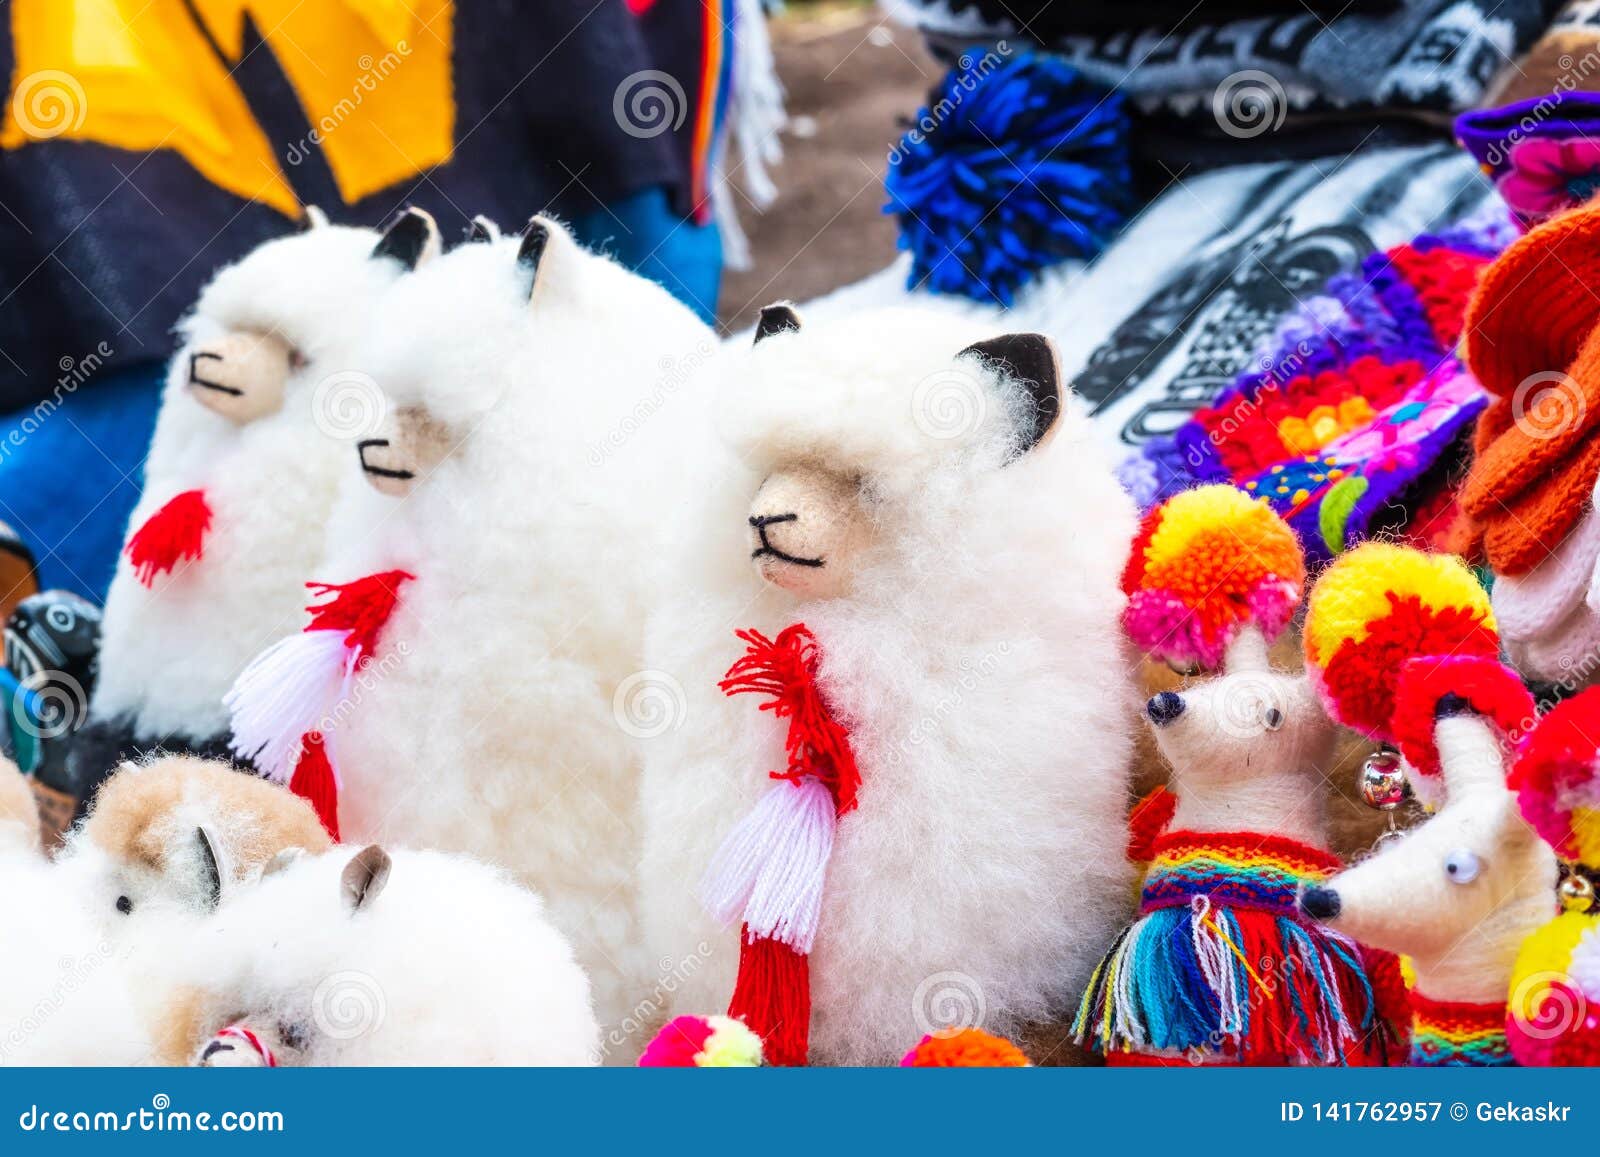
(978, 663)
(170, 651)
(64, 996)
(501, 715)
(449, 963)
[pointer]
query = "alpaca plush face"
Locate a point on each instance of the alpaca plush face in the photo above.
(808, 528)
(1474, 872)
(821, 510)
(268, 317)
(409, 446)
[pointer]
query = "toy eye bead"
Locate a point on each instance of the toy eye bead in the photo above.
(124, 905)
(1272, 718)
(1462, 866)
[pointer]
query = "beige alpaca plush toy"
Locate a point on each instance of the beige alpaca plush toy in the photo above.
(898, 810)
(1403, 646)
(260, 411)
(463, 682)
(19, 814)
(1220, 967)
(363, 957)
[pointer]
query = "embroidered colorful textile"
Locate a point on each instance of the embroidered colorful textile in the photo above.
(1220, 964)
(1457, 1033)
(1358, 407)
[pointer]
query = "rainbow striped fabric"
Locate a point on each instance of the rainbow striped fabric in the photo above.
(1455, 1033)
(1248, 870)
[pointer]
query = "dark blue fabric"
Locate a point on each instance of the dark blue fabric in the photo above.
(69, 476)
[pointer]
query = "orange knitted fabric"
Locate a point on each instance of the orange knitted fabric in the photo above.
(1533, 319)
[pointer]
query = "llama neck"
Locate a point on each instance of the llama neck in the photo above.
(1285, 803)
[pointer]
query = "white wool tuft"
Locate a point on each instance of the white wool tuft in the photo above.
(449, 963)
(64, 996)
(488, 720)
(168, 653)
(978, 662)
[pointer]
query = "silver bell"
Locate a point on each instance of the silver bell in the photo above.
(1382, 781)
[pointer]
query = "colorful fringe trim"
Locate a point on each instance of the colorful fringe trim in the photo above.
(1358, 407)
(1453, 1033)
(1220, 962)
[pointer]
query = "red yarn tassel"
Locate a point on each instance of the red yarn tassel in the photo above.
(1151, 816)
(175, 532)
(359, 608)
(785, 670)
(773, 996)
(313, 782)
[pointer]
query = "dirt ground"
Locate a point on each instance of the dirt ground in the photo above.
(850, 77)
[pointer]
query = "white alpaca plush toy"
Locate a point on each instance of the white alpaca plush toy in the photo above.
(491, 571)
(917, 823)
(260, 409)
(363, 957)
(64, 997)
(1403, 648)
(1220, 967)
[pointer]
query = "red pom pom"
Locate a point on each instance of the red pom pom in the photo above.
(1556, 772)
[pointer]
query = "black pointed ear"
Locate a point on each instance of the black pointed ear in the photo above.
(1029, 360)
(410, 238)
(778, 318)
(535, 239)
(482, 229)
(210, 868)
(364, 877)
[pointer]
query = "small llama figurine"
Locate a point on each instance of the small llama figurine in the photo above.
(1403, 646)
(1220, 967)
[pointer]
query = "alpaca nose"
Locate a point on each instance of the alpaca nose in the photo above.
(1320, 903)
(1164, 708)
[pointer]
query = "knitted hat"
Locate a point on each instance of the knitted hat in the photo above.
(1206, 564)
(1531, 341)
(1379, 607)
(1556, 780)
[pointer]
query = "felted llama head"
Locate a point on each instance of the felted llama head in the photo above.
(167, 836)
(1403, 647)
(361, 956)
(916, 531)
(1215, 575)
(239, 483)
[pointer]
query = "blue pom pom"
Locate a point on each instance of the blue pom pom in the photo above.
(1016, 165)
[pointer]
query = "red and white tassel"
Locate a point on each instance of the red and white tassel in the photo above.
(285, 693)
(250, 1039)
(171, 535)
(282, 704)
(770, 871)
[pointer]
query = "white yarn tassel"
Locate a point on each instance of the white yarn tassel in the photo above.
(770, 871)
(285, 692)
